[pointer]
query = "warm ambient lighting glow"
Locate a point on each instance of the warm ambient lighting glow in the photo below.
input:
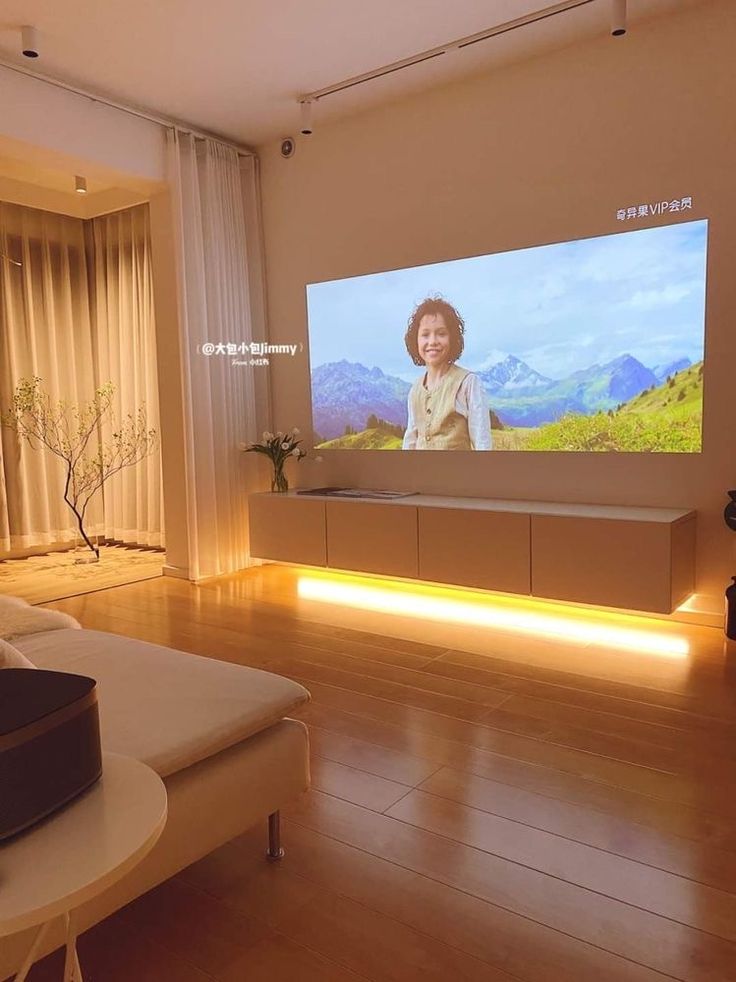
(442, 605)
(697, 604)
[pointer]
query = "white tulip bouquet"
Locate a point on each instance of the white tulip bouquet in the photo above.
(279, 447)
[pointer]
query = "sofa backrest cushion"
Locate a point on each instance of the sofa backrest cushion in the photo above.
(18, 618)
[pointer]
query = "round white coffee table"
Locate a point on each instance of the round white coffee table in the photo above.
(52, 869)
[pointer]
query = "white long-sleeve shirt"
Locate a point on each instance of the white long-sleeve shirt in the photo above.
(472, 403)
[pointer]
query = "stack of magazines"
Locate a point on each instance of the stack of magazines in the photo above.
(357, 493)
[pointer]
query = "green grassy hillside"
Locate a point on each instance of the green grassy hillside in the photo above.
(513, 437)
(373, 439)
(680, 398)
(664, 419)
(376, 439)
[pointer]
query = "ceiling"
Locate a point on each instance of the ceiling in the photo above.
(34, 177)
(15, 169)
(236, 68)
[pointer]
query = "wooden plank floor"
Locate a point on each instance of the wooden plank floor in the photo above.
(485, 806)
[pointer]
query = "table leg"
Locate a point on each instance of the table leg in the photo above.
(274, 837)
(72, 971)
(31, 956)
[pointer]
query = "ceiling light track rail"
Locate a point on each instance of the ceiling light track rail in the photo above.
(450, 46)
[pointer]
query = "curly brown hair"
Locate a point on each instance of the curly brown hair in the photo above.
(455, 325)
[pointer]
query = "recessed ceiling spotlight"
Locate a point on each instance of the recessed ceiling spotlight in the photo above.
(306, 128)
(618, 18)
(29, 41)
(80, 184)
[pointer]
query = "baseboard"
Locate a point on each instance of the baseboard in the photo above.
(179, 572)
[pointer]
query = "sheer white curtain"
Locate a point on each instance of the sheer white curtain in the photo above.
(45, 332)
(214, 244)
(75, 320)
(124, 346)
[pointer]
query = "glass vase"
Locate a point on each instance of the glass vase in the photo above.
(279, 481)
(82, 554)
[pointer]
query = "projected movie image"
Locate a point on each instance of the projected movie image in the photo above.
(593, 345)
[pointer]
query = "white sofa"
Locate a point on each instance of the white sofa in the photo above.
(217, 733)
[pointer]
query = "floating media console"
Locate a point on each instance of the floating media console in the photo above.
(606, 555)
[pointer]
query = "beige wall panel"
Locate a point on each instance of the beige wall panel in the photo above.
(287, 528)
(596, 561)
(372, 538)
(489, 550)
(653, 110)
(683, 561)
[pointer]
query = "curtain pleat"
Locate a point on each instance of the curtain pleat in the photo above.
(121, 289)
(77, 313)
(215, 306)
(46, 332)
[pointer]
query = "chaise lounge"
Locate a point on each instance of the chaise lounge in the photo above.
(217, 733)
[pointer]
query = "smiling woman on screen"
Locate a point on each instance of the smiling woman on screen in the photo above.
(448, 409)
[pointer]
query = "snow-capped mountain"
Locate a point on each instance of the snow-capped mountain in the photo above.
(599, 387)
(346, 393)
(511, 375)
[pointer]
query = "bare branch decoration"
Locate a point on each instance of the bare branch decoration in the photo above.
(72, 432)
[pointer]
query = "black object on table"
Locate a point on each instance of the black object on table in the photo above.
(49, 743)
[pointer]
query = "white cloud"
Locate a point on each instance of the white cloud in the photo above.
(554, 285)
(558, 307)
(663, 297)
(493, 357)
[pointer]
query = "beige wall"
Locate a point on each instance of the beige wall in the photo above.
(544, 151)
(69, 130)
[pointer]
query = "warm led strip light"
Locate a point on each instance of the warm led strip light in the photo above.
(486, 614)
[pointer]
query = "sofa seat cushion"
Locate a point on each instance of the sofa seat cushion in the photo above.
(166, 708)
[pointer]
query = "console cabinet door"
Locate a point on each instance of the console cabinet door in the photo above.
(372, 537)
(598, 561)
(287, 528)
(484, 549)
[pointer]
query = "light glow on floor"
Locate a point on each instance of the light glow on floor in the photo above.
(450, 606)
(699, 603)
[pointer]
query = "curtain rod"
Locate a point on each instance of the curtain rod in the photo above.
(166, 121)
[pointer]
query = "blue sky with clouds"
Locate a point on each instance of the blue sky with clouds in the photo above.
(558, 307)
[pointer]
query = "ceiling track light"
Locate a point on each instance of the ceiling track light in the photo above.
(306, 127)
(618, 18)
(449, 48)
(29, 41)
(80, 184)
